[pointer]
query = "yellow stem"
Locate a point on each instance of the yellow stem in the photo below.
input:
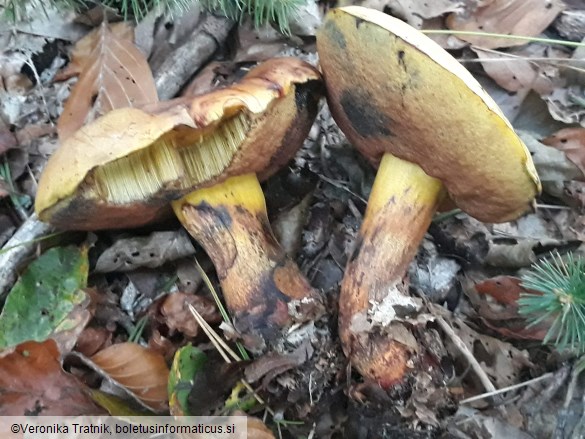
(263, 289)
(374, 301)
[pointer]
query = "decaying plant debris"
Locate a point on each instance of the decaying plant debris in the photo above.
(469, 351)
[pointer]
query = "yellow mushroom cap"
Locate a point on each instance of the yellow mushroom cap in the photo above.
(123, 169)
(393, 90)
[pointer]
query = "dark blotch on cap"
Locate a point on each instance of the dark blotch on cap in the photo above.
(335, 34)
(366, 119)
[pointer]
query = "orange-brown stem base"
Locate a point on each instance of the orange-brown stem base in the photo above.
(264, 290)
(374, 304)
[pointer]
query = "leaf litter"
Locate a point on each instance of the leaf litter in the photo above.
(468, 268)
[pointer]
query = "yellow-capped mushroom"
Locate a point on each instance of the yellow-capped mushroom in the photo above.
(204, 155)
(423, 119)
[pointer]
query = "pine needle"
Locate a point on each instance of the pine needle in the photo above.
(562, 284)
(262, 12)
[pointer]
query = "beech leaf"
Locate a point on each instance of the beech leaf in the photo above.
(141, 371)
(32, 382)
(116, 75)
(82, 51)
(572, 142)
(511, 17)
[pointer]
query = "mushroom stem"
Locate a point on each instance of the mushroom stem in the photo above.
(374, 304)
(263, 289)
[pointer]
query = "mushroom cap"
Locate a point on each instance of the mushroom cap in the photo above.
(393, 90)
(123, 169)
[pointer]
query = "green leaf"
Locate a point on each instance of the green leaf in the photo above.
(187, 363)
(40, 302)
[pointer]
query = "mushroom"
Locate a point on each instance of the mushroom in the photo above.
(434, 133)
(204, 156)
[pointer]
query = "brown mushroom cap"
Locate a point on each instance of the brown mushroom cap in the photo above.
(123, 169)
(393, 90)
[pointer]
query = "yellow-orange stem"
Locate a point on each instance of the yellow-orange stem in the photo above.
(374, 302)
(263, 289)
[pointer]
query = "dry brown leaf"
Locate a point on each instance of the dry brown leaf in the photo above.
(116, 75)
(566, 104)
(140, 370)
(178, 317)
(32, 382)
(502, 362)
(572, 142)
(414, 12)
(501, 313)
(514, 71)
(7, 141)
(81, 52)
(511, 17)
(92, 340)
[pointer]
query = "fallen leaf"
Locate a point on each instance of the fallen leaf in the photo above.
(151, 251)
(83, 49)
(553, 166)
(501, 313)
(505, 289)
(7, 141)
(205, 80)
(571, 24)
(44, 298)
(469, 422)
(139, 370)
(32, 132)
(188, 361)
(117, 75)
(178, 317)
(259, 44)
(501, 361)
(572, 142)
(92, 340)
(567, 104)
(32, 382)
(511, 17)
(514, 71)
(414, 12)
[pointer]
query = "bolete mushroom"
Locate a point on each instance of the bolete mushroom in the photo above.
(420, 116)
(205, 155)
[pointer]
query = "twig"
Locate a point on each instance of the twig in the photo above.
(571, 389)
(19, 247)
(487, 384)
(185, 60)
(507, 389)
